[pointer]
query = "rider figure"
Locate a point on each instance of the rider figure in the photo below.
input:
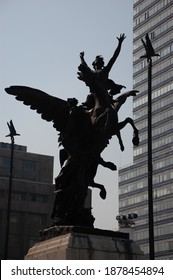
(101, 72)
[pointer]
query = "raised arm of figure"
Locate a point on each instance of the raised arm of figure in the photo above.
(116, 53)
(82, 59)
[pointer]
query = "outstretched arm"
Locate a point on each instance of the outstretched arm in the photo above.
(82, 67)
(116, 53)
(82, 59)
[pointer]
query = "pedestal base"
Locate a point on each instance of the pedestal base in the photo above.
(84, 244)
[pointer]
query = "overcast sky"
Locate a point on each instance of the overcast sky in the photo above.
(40, 42)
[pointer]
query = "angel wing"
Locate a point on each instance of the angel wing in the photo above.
(51, 108)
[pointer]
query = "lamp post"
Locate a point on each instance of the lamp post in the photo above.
(150, 52)
(126, 221)
(11, 135)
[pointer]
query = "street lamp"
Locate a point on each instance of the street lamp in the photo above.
(150, 52)
(11, 135)
(126, 221)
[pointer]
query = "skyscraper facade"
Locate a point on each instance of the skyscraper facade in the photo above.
(155, 18)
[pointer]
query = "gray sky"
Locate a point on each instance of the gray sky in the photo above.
(40, 42)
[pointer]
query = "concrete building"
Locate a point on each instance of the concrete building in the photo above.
(31, 201)
(153, 17)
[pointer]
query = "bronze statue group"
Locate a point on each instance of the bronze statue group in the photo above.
(84, 132)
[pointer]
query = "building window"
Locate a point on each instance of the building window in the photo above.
(18, 195)
(4, 162)
(39, 198)
(28, 165)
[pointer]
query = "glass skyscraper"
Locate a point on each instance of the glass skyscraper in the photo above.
(155, 18)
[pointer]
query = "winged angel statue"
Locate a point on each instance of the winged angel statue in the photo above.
(85, 131)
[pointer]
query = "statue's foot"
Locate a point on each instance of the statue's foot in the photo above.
(135, 140)
(122, 147)
(103, 193)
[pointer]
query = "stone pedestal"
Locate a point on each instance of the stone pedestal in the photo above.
(84, 244)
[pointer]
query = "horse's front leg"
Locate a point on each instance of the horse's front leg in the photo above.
(122, 124)
(107, 164)
(100, 187)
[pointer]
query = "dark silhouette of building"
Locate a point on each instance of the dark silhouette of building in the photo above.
(31, 201)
